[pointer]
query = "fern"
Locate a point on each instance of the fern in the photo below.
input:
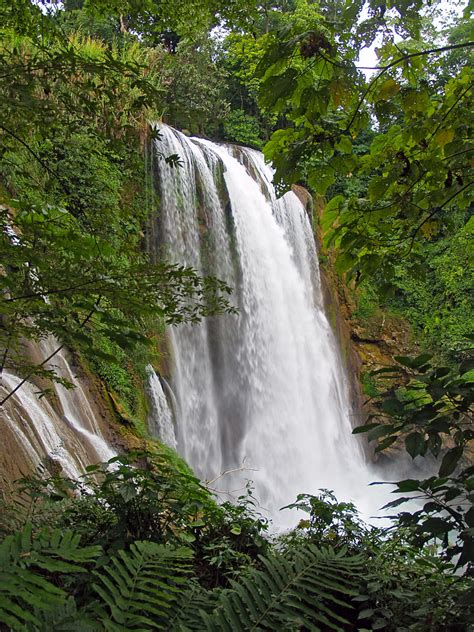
(26, 563)
(186, 616)
(139, 587)
(65, 617)
(310, 590)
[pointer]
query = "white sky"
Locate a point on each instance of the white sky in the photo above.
(446, 8)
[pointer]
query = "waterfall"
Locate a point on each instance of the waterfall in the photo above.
(35, 431)
(77, 408)
(263, 392)
(161, 416)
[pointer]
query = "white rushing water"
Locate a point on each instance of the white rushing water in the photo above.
(160, 422)
(265, 389)
(77, 409)
(69, 434)
(37, 429)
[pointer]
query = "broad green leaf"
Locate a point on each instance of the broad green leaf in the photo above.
(386, 443)
(450, 461)
(436, 526)
(321, 180)
(443, 137)
(364, 428)
(344, 145)
(408, 485)
(366, 613)
(380, 432)
(415, 444)
(279, 87)
(388, 89)
(344, 262)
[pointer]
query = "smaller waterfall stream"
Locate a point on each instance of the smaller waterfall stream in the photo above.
(160, 423)
(38, 431)
(77, 409)
(34, 429)
(265, 388)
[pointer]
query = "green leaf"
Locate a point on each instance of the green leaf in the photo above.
(469, 517)
(321, 180)
(405, 360)
(279, 87)
(385, 443)
(434, 444)
(421, 360)
(344, 145)
(388, 89)
(414, 362)
(377, 188)
(450, 461)
(24, 586)
(393, 406)
(416, 100)
(331, 212)
(345, 261)
(408, 485)
(443, 137)
(436, 526)
(307, 585)
(142, 584)
(395, 370)
(415, 444)
(395, 503)
(381, 431)
(467, 553)
(365, 428)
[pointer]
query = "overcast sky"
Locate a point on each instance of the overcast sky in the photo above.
(446, 8)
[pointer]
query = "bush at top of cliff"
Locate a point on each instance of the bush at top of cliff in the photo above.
(243, 128)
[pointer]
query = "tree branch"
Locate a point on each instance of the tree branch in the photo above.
(418, 54)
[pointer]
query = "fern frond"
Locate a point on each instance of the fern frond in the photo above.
(65, 617)
(26, 592)
(311, 590)
(138, 588)
(195, 599)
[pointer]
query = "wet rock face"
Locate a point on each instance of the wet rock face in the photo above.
(305, 198)
(365, 345)
(339, 308)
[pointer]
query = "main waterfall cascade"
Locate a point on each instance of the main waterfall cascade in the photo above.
(260, 395)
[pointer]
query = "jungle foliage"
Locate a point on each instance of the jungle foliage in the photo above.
(389, 147)
(75, 195)
(147, 548)
(392, 153)
(434, 403)
(417, 165)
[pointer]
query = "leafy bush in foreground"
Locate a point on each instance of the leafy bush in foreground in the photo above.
(140, 544)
